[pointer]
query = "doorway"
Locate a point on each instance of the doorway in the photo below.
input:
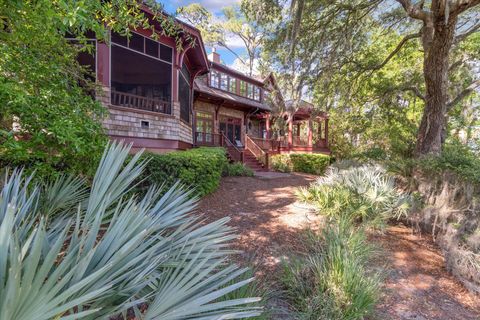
(232, 128)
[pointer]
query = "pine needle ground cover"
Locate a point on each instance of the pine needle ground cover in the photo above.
(334, 278)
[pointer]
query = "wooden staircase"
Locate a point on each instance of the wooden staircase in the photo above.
(251, 161)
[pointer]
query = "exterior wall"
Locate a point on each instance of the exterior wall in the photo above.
(222, 112)
(165, 132)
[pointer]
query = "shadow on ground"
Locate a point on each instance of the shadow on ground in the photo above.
(270, 221)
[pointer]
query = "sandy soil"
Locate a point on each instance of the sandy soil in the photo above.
(268, 220)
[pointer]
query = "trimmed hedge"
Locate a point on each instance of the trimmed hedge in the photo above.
(200, 168)
(300, 162)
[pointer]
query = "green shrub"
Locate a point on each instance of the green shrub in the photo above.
(300, 162)
(331, 280)
(237, 169)
(96, 253)
(363, 194)
(199, 168)
(455, 158)
(281, 163)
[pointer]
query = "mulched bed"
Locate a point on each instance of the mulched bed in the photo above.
(269, 221)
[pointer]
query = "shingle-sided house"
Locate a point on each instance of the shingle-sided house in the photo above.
(162, 99)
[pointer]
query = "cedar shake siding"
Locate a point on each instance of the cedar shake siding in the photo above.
(163, 99)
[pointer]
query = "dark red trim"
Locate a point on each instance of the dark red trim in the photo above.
(153, 144)
(103, 63)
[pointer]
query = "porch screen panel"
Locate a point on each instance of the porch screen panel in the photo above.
(139, 76)
(184, 93)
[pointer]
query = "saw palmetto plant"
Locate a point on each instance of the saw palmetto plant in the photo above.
(365, 193)
(68, 251)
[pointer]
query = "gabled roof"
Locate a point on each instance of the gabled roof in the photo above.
(196, 52)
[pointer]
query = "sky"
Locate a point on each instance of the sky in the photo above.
(214, 6)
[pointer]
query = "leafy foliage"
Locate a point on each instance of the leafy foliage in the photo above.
(49, 121)
(300, 162)
(200, 168)
(237, 169)
(96, 254)
(362, 194)
(331, 281)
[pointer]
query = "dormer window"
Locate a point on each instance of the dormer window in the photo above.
(223, 81)
(214, 79)
(256, 93)
(250, 90)
(232, 87)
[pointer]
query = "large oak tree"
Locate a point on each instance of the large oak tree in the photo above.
(318, 38)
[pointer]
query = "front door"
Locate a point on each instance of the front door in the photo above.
(232, 128)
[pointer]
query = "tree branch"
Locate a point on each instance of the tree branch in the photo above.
(460, 6)
(463, 94)
(415, 90)
(415, 11)
(394, 52)
(466, 34)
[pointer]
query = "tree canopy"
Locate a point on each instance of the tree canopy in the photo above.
(369, 60)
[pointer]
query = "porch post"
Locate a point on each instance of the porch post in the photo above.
(267, 125)
(310, 133)
(290, 131)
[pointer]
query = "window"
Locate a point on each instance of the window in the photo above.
(144, 45)
(136, 42)
(243, 88)
(214, 79)
(166, 53)
(250, 90)
(204, 127)
(223, 81)
(232, 86)
(184, 95)
(256, 93)
(151, 47)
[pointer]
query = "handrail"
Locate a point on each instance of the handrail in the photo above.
(256, 150)
(238, 154)
(265, 144)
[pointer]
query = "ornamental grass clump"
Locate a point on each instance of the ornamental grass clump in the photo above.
(72, 252)
(332, 280)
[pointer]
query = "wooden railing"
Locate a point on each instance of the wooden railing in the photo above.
(235, 153)
(321, 143)
(257, 151)
(134, 101)
(208, 139)
(299, 141)
(265, 144)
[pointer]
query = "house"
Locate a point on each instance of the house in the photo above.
(163, 98)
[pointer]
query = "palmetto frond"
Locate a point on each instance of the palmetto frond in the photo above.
(71, 254)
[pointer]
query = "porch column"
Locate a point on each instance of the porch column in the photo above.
(290, 131)
(267, 125)
(326, 132)
(310, 134)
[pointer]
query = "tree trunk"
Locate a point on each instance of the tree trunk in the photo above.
(437, 41)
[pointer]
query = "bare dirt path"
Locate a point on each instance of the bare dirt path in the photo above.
(269, 221)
